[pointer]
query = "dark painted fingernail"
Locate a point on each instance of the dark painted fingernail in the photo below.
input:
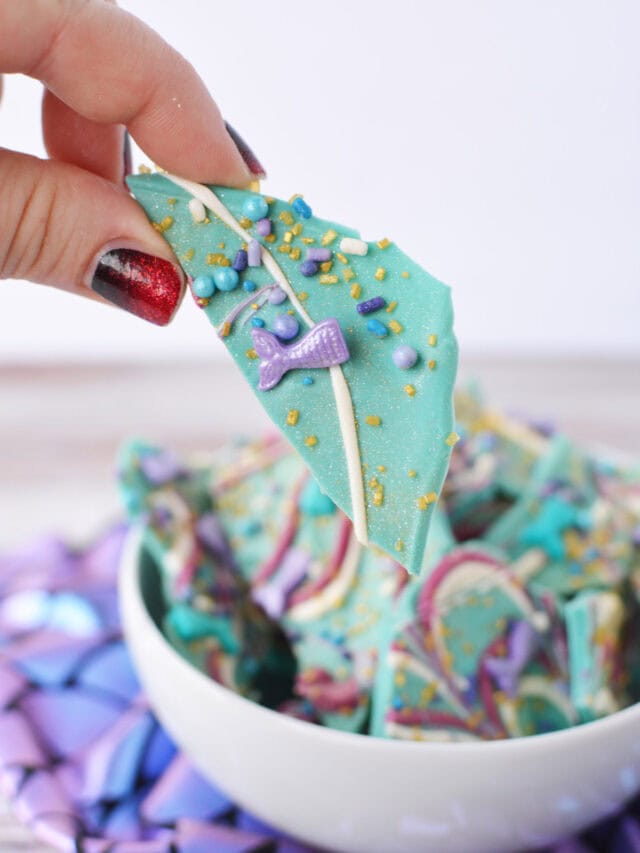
(253, 164)
(126, 154)
(147, 286)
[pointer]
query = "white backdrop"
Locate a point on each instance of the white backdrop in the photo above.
(497, 142)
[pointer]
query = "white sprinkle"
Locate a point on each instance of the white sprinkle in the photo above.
(196, 209)
(351, 246)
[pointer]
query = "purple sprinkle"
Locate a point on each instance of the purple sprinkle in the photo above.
(240, 261)
(161, 467)
(277, 296)
(308, 268)
(254, 254)
(320, 255)
(371, 305)
(272, 596)
(263, 227)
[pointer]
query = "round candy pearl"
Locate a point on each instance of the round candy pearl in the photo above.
(286, 326)
(226, 278)
(308, 268)
(404, 356)
(255, 207)
(203, 286)
(248, 286)
(277, 296)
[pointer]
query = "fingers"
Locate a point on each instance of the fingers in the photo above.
(61, 225)
(109, 67)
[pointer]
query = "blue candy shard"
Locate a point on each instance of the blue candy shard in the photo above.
(74, 614)
(110, 669)
(123, 822)
(50, 659)
(195, 837)
(182, 792)
(160, 752)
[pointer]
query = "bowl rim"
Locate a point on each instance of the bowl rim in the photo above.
(129, 590)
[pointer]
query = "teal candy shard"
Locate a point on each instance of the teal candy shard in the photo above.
(377, 437)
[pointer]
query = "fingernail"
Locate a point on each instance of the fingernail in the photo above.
(126, 154)
(142, 284)
(253, 164)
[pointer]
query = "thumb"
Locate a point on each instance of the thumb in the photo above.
(63, 226)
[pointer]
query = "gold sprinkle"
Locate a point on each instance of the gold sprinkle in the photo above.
(391, 306)
(164, 225)
(380, 273)
(254, 186)
(400, 679)
(426, 500)
(373, 420)
(342, 258)
(431, 363)
(297, 229)
(382, 468)
(245, 223)
(433, 340)
(395, 326)
(294, 254)
(288, 236)
(410, 390)
(244, 246)
(144, 170)
(329, 236)
(384, 243)
(286, 217)
(399, 545)
(270, 238)
(308, 240)
(374, 483)
(284, 249)
(221, 245)
(378, 496)
(303, 295)
(348, 274)
(171, 201)
(188, 255)
(404, 274)
(452, 439)
(292, 417)
(328, 279)
(291, 312)
(226, 328)
(356, 290)
(269, 199)
(311, 441)
(325, 266)
(251, 353)
(294, 197)
(411, 473)
(217, 259)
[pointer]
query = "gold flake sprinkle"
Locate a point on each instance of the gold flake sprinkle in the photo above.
(348, 274)
(411, 473)
(410, 390)
(311, 441)
(245, 223)
(286, 217)
(378, 496)
(431, 363)
(294, 254)
(308, 240)
(404, 274)
(426, 500)
(384, 243)
(171, 201)
(399, 545)
(303, 295)
(251, 353)
(269, 199)
(433, 340)
(380, 273)
(395, 326)
(325, 266)
(224, 331)
(294, 197)
(329, 236)
(342, 258)
(144, 170)
(270, 238)
(217, 259)
(391, 306)
(374, 483)
(292, 417)
(400, 679)
(164, 224)
(356, 290)
(254, 186)
(373, 420)
(221, 245)
(297, 229)
(328, 279)
(188, 255)
(452, 439)
(284, 249)
(382, 468)
(288, 236)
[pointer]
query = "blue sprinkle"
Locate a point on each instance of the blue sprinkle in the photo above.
(377, 328)
(307, 380)
(240, 262)
(255, 207)
(301, 207)
(258, 322)
(249, 286)
(308, 268)
(371, 305)
(397, 703)
(250, 527)
(203, 286)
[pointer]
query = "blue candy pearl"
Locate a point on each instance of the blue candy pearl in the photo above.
(203, 286)
(286, 326)
(226, 278)
(255, 207)
(257, 322)
(307, 380)
(404, 357)
(248, 286)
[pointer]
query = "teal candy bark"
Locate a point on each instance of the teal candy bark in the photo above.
(413, 429)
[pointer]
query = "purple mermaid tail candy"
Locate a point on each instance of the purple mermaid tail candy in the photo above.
(322, 346)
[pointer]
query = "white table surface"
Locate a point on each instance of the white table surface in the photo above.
(60, 426)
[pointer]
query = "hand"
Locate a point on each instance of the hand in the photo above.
(69, 221)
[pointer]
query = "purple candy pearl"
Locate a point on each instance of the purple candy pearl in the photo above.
(308, 268)
(277, 296)
(285, 326)
(263, 227)
(404, 357)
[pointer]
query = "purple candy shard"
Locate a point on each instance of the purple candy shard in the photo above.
(251, 823)
(110, 669)
(322, 346)
(12, 684)
(36, 564)
(183, 792)
(572, 845)
(111, 765)
(272, 596)
(68, 720)
(41, 794)
(147, 846)
(195, 837)
(96, 845)
(627, 837)
(49, 659)
(160, 752)
(123, 822)
(18, 744)
(59, 830)
(161, 467)
(102, 558)
(11, 778)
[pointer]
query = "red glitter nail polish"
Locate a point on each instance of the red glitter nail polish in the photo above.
(253, 164)
(142, 284)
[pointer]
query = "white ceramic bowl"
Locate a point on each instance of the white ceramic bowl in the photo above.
(354, 793)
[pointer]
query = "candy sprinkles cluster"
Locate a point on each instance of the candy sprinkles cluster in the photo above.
(348, 345)
(525, 619)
